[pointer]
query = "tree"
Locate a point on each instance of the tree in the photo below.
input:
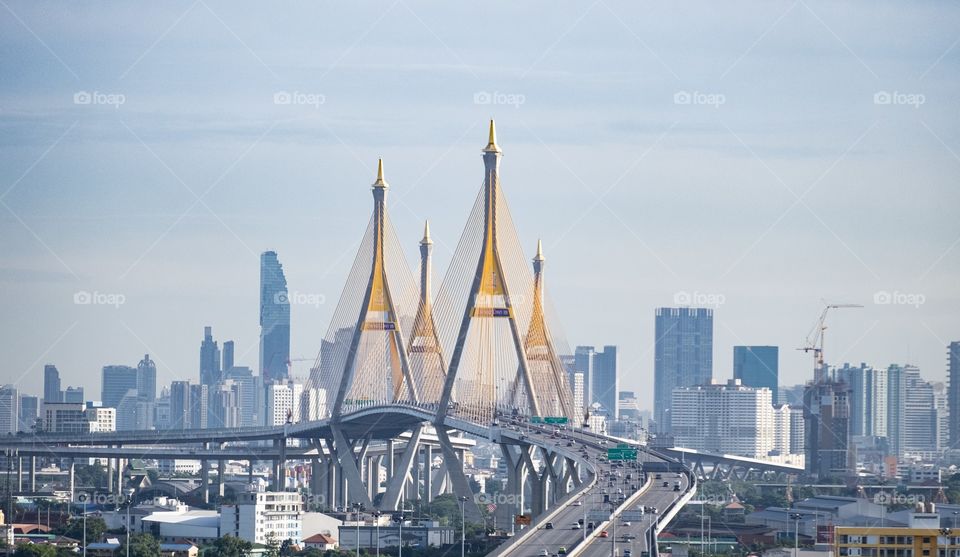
(74, 529)
(273, 544)
(229, 546)
(35, 550)
(144, 545)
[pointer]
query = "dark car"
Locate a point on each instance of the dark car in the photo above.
(548, 526)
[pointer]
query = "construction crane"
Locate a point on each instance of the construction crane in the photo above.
(815, 341)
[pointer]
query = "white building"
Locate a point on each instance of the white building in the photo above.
(283, 403)
(101, 419)
(781, 429)
(257, 514)
(313, 404)
(9, 409)
(725, 418)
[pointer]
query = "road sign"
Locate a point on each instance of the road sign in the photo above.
(632, 514)
(598, 514)
(621, 454)
(555, 420)
(522, 520)
(536, 420)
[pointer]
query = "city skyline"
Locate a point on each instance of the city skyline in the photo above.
(102, 271)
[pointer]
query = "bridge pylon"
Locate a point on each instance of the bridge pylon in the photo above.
(364, 359)
(487, 302)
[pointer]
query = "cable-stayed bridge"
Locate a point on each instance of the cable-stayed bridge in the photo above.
(404, 378)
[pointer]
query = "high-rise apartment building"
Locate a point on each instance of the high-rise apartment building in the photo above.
(826, 408)
(606, 381)
(210, 371)
(919, 433)
(953, 393)
(259, 516)
(199, 406)
(683, 356)
(51, 384)
(283, 403)
(725, 418)
(249, 402)
(868, 399)
(583, 360)
(274, 319)
(757, 366)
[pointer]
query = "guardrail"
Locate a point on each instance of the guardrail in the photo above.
(630, 501)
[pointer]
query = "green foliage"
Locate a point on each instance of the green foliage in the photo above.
(144, 545)
(35, 550)
(90, 475)
(96, 527)
(273, 545)
(228, 546)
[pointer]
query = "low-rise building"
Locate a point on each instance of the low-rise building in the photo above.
(259, 514)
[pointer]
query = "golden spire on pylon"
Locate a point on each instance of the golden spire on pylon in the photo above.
(381, 182)
(426, 233)
(539, 256)
(492, 143)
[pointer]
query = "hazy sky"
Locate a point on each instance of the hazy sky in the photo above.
(760, 157)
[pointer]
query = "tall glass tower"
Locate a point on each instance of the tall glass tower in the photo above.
(683, 356)
(274, 319)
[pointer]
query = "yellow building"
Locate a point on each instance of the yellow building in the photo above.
(896, 542)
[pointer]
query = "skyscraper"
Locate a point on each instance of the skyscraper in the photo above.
(868, 399)
(72, 394)
(210, 372)
(29, 411)
(683, 356)
(147, 379)
(827, 419)
(116, 381)
(51, 384)
(227, 356)
(583, 364)
(606, 382)
(180, 406)
(757, 366)
(245, 380)
(9, 409)
(274, 319)
(920, 415)
(953, 395)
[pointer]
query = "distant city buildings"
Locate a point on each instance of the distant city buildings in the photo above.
(116, 382)
(9, 410)
(210, 370)
(274, 320)
(683, 356)
(827, 429)
(51, 384)
(953, 395)
(730, 418)
(29, 411)
(601, 381)
(757, 366)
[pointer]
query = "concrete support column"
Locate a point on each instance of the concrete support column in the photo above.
(250, 464)
(19, 474)
(427, 473)
(119, 475)
(205, 480)
(377, 466)
(317, 479)
(32, 475)
(389, 455)
(109, 474)
(371, 476)
(73, 485)
(221, 472)
(331, 487)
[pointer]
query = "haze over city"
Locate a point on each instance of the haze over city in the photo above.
(757, 162)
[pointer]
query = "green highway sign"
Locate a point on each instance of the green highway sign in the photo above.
(555, 420)
(536, 420)
(619, 453)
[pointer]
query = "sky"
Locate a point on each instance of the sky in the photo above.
(759, 158)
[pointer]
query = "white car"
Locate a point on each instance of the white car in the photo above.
(575, 526)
